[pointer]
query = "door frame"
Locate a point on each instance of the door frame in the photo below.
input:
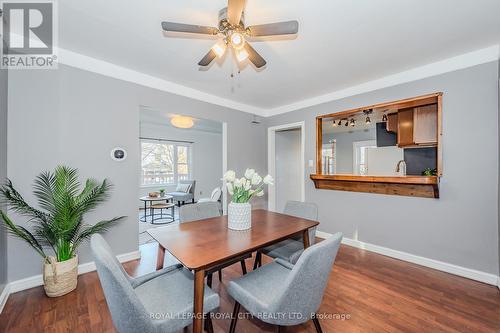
(355, 157)
(271, 159)
(224, 167)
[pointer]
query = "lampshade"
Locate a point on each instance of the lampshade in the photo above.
(182, 122)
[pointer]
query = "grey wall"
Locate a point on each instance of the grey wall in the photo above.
(3, 171)
(462, 226)
(288, 171)
(76, 117)
(344, 146)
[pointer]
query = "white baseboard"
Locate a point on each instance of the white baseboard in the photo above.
(431, 263)
(37, 280)
(4, 296)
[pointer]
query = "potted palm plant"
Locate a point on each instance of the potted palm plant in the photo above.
(58, 227)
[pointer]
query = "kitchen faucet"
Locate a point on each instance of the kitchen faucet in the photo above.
(401, 168)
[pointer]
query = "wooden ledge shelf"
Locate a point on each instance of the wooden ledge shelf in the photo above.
(413, 186)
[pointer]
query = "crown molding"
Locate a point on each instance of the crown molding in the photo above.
(105, 68)
(470, 59)
(462, 61)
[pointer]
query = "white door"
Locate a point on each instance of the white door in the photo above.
(288, 162)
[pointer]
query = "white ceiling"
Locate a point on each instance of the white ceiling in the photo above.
(340, 43)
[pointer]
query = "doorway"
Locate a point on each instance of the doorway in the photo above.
(286, 144)
(180, 164)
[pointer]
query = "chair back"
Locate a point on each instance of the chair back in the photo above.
(305, 210)
(191, 182)
(216, 193)
(198, 211)
(303, 289)
(127, 311)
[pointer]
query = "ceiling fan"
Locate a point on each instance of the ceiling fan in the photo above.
(234, 34)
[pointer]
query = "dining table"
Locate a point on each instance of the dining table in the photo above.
(204, 244)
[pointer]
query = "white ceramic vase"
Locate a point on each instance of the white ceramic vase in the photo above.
(239, 216)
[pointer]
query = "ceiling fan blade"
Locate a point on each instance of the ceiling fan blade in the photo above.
(189, 28)
(272, 29)
(208, 58)
(254, 57)
(234, 11)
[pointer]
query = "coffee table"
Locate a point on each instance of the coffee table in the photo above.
(157, 203)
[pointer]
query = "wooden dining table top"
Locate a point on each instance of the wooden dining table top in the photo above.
(204, 243)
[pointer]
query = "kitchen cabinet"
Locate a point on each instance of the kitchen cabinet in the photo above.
(392, 122)
(405, 127)
(425, 125)
(418, 126)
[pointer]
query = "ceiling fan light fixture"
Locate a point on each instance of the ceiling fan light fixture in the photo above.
(219, 48)
(182, 122)
(241, 55)
(237, 40)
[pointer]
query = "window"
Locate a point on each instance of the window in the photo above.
(164, 163)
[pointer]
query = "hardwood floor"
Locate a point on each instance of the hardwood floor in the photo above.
(368, 292)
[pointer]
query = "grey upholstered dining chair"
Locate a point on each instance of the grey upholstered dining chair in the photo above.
(291, 249)
(205, 210)
(198, 211)
(161, 301)
(284, 294)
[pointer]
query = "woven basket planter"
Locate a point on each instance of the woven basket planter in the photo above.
(60, 278)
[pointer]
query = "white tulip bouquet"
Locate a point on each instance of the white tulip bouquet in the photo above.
(244, 188)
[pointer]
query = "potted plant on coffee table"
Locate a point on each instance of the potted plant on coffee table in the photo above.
(57, 228)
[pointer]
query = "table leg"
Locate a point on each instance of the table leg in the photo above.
(305, 236)
(160, 257)
(199, 285)
(145, 212)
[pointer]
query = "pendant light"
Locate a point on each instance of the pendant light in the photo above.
(367, 114)
(182, 122)
(352, 122)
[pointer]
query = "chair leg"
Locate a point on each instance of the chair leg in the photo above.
(220, 275)
(192, 200)
(208, 324)
(209, 280)
(236, 311)
(243, 267)
(317, 325)
(258, 259)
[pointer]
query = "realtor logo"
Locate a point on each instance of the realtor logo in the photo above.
(29, 35)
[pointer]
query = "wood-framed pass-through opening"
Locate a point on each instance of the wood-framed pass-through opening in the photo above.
(387, 148)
